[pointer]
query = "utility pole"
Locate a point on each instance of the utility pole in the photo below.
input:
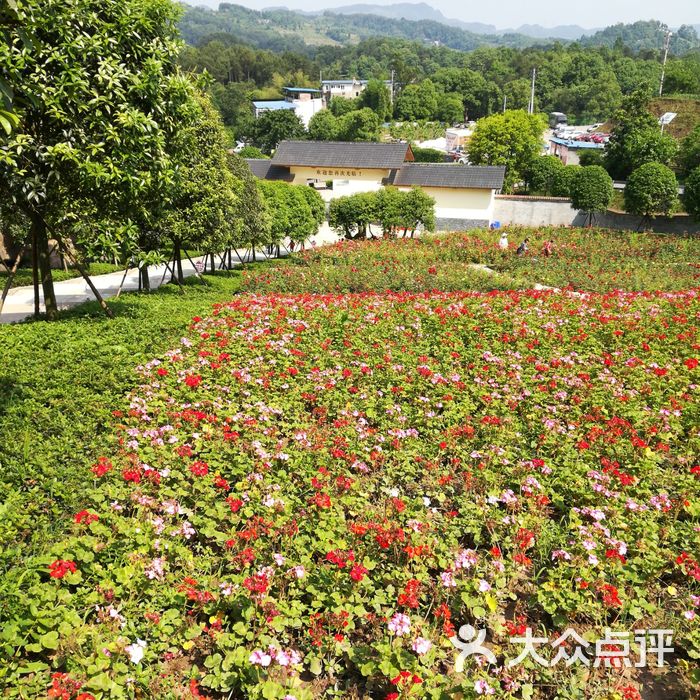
(531, 107)
(667, 43)
(505, 102)
(391, 94)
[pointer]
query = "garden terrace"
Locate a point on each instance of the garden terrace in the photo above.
(308, 493)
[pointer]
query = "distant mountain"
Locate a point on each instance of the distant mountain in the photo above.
(422, 11)
(645, 35)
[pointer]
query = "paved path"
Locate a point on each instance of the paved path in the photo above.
(19, 304)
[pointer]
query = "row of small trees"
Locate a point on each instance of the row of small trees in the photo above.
(393, 211)
(109, 151)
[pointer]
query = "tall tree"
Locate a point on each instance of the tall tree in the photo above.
(377, 97)
(651, 189)
(274, 126)
(591, 190)
(513, 139)
(95, 102)
(636, 139)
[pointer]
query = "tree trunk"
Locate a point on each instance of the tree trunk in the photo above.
(90, 283)
(10, 276)
(145, 280)
(177, 275)
(40, 252)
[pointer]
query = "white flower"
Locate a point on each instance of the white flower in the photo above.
(484, 586)
(400, 624)
(421, 645)
(136, 651)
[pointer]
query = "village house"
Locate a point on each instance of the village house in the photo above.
(464, 195)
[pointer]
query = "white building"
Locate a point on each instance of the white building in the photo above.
(349, 89)
(464, 195)
(304, 101)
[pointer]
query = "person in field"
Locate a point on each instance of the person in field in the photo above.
(503, 241)
(523, 247)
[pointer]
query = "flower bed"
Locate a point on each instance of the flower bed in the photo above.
(310, 495)
(584, 259)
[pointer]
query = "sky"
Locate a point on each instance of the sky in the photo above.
(512, 13)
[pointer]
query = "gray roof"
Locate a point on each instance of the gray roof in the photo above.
(487, 177)
(337, 154)
(264, 169)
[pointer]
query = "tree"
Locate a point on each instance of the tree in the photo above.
(291, 215)
(427, 155)
(95, 117)
(342, 105)
(591, 190)
(562, 180)
(360, 125)
(513, 139)
(274, 126)
(691, 195)
(651, 189)
(251, 215)
(201, 202)
(417, 102)
(450, 108)
(636, 139)
(253, 153)
(542, 172)
(352, 215)
(418, 209)
(689, 156)
(324, 126)
(316, 205)
(377, 97)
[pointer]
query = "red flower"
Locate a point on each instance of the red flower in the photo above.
(101, 467)
(193, 380)
(234, 504)
(691, 363)
(199, 468)
(61, 567)
(162, 372)
(322, 500)
(85, 517)
(357, 572)
(610, 596)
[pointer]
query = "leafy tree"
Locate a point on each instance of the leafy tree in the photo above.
(591, 190)
(427, 155)
(404, 211)
(342, 105)
(352, 215)
(591, 157)
(651, 189)
(274, 126)
(233, 102)
(513, 139)
(291, 215)
(360, 125)
(450, 108)
(377, 97)
(251, 213)
(316, 205)
(691, 195)
(689, 156)
(95, 118)
(636, 139)
(542, 172)
(562, 180)
(201, 202)
(418, 209)
(417, 102)
(324, 126)
(252, 152)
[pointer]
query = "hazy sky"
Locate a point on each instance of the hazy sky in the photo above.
(512, 13)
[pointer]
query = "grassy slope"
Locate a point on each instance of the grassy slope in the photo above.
(58, 384)
(687, 109)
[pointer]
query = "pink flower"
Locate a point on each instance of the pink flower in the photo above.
(483, 688)
(260, 658)
(689, 614)
(400, 624)
(421, 645)
(448, 580)
(484, 586)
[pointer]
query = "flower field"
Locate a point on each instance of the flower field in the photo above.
(584, 259)
(311, 494)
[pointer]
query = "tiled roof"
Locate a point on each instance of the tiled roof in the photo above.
(386, 156)
(263, 169)
(488, 177)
